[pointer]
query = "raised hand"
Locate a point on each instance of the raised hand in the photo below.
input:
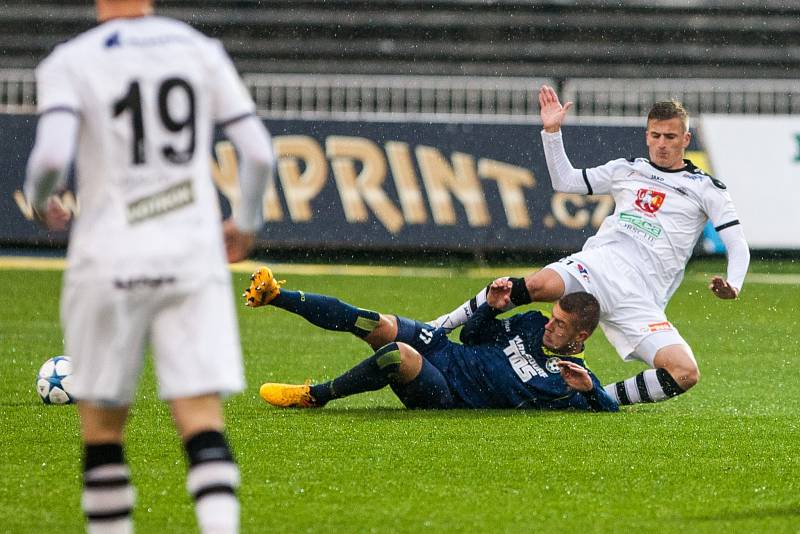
(722, 289)
(551, 110)
(499, 294)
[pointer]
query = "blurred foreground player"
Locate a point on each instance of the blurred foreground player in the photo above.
(636, 261)
(525, 361)
(139, 96)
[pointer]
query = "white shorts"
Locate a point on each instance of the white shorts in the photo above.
(191, 327)
(630, 318)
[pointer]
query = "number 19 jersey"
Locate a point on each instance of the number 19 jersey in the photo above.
(148, 92)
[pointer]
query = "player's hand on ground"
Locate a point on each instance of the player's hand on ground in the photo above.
(722, 289)
(238, 244)
(55, 216)
(575, 376)
(499, 294)
(550, 109)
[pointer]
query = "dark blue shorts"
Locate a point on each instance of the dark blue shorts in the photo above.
(431, 389)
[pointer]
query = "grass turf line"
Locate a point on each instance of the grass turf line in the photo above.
(723, 456)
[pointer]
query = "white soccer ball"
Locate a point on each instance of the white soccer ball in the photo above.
(54, 380)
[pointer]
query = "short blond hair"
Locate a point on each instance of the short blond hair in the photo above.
(669, 109)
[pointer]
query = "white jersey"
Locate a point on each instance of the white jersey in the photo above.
(659, 216)
(148, 92)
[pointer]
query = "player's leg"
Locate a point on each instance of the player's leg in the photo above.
(213, 475)
(196, 363)
(108, 496)
(673, 370)
(395, 363)
(104, 333)
(545, 285)
(323, 311)
(428, 390)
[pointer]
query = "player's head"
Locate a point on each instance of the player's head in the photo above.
(667, 134)
(112, 9)
(575, 316)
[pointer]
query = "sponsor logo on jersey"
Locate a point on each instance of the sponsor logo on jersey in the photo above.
(694, 176)
(659, 327)
(170, 199)
(638, 225)
(649, 201)
(523, 363)
(150, 283)
(552, 365)
(115, 40)
(582, 271)
(112, 40)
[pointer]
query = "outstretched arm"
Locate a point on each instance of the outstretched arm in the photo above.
(564, 177)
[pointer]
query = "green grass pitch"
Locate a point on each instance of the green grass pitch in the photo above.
(724, 457)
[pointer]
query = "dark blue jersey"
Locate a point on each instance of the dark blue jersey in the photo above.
(503, 364)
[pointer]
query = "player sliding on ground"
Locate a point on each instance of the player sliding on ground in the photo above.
(636, 261)
(525, 361)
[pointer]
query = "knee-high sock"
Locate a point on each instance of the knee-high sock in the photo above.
(212, 480)
(462, 314)
(108, 495)
(374, 373)
(327, 312)
(651, 385)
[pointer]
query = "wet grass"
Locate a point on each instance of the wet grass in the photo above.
(724, 456)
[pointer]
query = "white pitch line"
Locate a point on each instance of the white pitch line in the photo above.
(486, 273)
(58, 264)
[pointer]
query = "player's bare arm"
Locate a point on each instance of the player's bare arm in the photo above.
(551, 110)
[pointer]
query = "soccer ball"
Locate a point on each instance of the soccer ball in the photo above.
(54, 380)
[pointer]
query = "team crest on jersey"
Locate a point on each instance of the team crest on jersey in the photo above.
(552, 365)
(649, 201)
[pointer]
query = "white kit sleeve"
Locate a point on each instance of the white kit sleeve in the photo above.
(564, 177)
(738, 254)
(56, 137)
(256, 163)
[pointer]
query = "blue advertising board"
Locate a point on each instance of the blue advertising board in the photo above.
(389, 185)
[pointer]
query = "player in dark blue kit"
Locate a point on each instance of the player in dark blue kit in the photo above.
(525, 361)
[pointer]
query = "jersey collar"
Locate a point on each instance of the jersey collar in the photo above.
(687, 166)
(579, 356)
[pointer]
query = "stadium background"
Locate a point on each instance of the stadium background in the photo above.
(424, 82)
(413, 126)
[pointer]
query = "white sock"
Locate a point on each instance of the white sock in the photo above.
(459, 316)
(213, 485)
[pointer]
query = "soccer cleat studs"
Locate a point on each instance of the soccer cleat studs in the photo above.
(263, 288)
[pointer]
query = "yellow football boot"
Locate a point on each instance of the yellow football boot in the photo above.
(263, 288)
(288, 395)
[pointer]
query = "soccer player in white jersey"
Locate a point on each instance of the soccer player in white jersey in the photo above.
(138, 96)
(636, 260)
